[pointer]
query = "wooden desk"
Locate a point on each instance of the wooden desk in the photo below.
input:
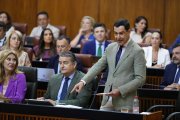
(38, 112)
(150, 97)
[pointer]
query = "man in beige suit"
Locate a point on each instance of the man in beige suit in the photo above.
(127, 69)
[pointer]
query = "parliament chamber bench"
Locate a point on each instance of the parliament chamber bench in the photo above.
(38, 112)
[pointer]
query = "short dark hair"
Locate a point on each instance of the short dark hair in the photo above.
(2, 25)
(122, 22)
(64, 37)
(68, 54)
(43, 13)
(176, 45)
(99, 25)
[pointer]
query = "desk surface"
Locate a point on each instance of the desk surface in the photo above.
(67, 112)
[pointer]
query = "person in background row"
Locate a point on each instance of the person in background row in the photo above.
(60, 86)
(62, 44)
(171, 79)
(6, 18)
(177, 41)
(2, 34)
(44, 22)
(155, 55)
(99, 44)
(15, 43)
(127, 70)
(12, 82)
(85, 32)
(46, 48)
(140, 33)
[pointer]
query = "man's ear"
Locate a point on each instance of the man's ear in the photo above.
(75, 65)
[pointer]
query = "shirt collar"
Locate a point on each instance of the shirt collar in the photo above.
(71, 76)
(98, 43)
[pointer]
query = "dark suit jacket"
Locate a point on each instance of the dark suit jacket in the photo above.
(81, 99)
(90, 47)
(169, 75)
(54, 61)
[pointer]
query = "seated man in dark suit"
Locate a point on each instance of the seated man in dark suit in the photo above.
(62, 44)
(60, 86)
(97, 46)
(171, 78)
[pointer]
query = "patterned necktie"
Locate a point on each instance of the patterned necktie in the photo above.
(118, 54)
(176, 80)
(99, 53)
(65, 87)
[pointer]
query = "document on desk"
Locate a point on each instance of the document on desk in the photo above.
(100, 94)
(68, 106)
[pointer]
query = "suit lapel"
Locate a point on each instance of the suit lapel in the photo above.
(125, 55)
(57, 84)
(93, 48)
(113, 55)
(73, 82)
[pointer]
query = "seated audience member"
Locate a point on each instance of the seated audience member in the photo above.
(97, 46)
(5, 17)
(177, 41)
(155, 55)
(43, 22)
(15, 43)
(12, 82)
(140, 34)
(45, 50)
(2, 34)
(62, 44)
(171, 79)
(85, 32)
(60, 86)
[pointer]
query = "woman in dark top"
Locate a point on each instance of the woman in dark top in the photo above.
(46, 48)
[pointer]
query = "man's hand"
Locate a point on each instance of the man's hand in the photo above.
(78, 87)
(40, 98)
(172, 86)
(114, 93)
(52, 102)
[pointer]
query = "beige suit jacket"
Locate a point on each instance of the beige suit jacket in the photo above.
(127, 76)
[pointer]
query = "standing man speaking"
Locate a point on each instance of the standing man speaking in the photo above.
(127, 69)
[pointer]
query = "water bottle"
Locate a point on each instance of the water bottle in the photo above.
(136, 104)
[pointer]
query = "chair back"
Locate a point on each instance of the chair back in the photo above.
(31, 80)
(86, 61)
(29, 50)
(22, 27)
(62, 29)
(31, 41)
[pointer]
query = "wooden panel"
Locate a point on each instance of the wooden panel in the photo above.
(21, 11)
(13, 116)
(161, 14)
(69, 13)
(111, 10)
(172, 17)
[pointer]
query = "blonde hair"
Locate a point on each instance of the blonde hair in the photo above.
(20, 37)
(92, 20)
(3, 55)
